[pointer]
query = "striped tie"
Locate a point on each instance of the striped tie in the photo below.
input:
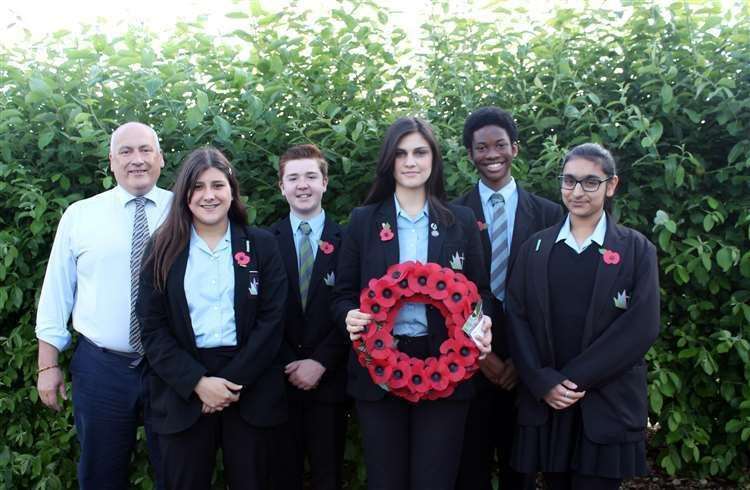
(140, 237)
(499, 238)
(305, 261)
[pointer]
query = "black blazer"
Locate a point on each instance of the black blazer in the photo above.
(171, 352)
(364, 256)
(312, 333)
(611, 365)
(533, 213)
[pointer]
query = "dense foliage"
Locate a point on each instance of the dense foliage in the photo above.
(666, 89)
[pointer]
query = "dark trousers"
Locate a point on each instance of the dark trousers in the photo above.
(189, 456)
(412, 446)
(490, 427)
(574, 481)
(110, 401)
(316, 430)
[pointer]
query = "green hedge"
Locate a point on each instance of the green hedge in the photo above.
(667, 89)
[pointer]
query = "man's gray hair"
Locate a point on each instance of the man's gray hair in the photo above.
(117, 130)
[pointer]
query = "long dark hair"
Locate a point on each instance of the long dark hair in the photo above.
(171, 238)
(384, 184)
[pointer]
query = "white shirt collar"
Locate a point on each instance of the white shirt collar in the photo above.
(400, 211)
(125, 197)
(485, 193)
(316, 223)
(596, 237)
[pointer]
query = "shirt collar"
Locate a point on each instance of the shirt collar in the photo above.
(316, 223)
(400, 212)
(596, 237)
(197, 241)
(124, 197)
(485, 193)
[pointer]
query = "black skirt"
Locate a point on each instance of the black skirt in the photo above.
(560, 445)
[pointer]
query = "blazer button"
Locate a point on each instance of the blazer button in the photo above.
(299, 346)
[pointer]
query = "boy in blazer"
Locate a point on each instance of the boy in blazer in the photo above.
(314, 350)
(491, 138)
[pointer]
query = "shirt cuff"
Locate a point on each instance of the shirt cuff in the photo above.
(58, 340)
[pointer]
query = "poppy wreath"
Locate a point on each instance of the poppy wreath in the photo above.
(414, 379)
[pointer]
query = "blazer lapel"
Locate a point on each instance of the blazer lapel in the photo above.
(435, 240)
(241, 243)
(521, 226)
(322, 263)
(474, 201)
(542, 249)
(387, 214)
(288, 250)
(606, 274)
(176, 290)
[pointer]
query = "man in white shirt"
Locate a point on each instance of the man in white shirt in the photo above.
(92, 273)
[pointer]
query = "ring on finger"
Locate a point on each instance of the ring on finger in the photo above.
(565, 395)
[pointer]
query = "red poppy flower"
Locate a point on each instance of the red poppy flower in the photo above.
(401, 372)
(467, 350)
(420, 274)
(371, 306)
(456, 302)
(611, 257)
(242, 259)
(325, 247)
(381, 370)
(386, 234)
(437, 374)
(481, 225)
(438, 283)
(385, 294)
(397, 272)
(455, 367)
(379, 344)
(418, 380)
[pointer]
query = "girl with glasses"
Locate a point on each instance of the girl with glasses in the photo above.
(583, 310)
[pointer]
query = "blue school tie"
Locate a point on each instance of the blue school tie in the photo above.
(305, 261)
(140, 237)
(499, 238)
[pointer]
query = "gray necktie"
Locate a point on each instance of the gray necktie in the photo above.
(499, 238)
(305, 261)
(140, 237)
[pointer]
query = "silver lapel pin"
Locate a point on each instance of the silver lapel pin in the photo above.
(434, 231)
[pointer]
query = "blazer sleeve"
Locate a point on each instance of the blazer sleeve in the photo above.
(522, 343)
(169, 360)
(261, 346)
(630, 336)
(345, 294)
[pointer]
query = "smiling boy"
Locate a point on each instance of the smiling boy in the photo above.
(315, 351)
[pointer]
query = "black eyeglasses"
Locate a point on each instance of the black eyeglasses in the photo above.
(588, 184)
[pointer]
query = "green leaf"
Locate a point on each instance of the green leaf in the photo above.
(745, 264)
(548, 122)
(724, 258)
(223, 128)
(237, 15)
(733, 425)
(666, 94)
(45, 138)
(201, 99)
(194, 117)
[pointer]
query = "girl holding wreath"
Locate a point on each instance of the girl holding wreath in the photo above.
(212, 297)
(406, 217)
(583, 310)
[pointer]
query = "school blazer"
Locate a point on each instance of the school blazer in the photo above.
(172, 354)
(533, 213)
(611, 367)
(365, 256)
(312, 333)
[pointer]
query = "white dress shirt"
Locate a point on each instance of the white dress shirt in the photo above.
(510, 194)
(88, 272)
(596, 237)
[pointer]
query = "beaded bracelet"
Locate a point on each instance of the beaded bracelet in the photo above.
(46, 368)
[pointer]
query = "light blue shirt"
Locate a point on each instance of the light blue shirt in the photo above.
(413, 234)
(596, 237)
(510, 194)
(88, 274)
(209, 290)
(316, 226)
